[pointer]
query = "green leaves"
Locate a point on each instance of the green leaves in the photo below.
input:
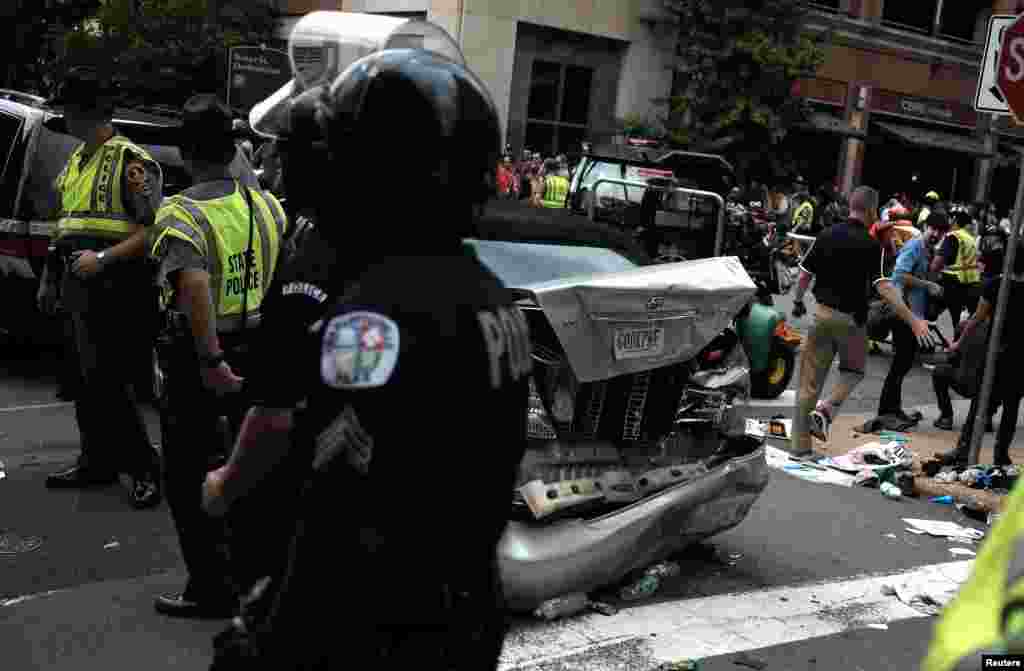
(737, 63)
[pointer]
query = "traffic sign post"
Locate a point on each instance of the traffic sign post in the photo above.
(1010, 80)
(988, 97)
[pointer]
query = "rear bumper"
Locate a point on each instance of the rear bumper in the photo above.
(539, 562)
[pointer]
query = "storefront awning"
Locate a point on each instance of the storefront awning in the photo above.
(832, 124)
(936, 139)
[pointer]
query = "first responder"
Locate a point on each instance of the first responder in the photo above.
(931, 199)
(217, 245)
(108, 192)
(987, 615)
(957, 260)
(297, 298)
(382, 362)
(556, 185)
(803, 214)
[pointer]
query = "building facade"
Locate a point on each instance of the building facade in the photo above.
(893, 101)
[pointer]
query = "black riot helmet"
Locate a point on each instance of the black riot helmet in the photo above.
(303, 151)
(418, 133)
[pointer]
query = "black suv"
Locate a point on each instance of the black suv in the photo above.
(34, 147)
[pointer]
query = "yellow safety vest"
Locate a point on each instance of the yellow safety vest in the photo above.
(91, 201)
(922, 216)
(219, 230)
(804, 215)
(556, 189)
(965, 270)
(972, 622)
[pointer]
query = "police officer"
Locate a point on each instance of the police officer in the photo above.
(217, 245)
(556, 185)
(424, 329)
(108, 192)
(297, 298)
(803, 213)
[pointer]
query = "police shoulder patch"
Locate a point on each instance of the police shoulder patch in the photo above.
(359, 351)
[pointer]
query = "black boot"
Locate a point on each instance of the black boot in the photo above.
(1002, 456)
(955, 457)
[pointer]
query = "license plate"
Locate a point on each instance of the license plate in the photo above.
(634, 343)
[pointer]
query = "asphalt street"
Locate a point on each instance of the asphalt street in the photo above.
(99, 563)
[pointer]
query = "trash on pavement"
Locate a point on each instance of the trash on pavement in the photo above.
(925, 593)
(111, 545)
(872, 456)
(640, 589)
(893, 536)
(878, 625)
(681, 665)
(749, 661)
(972, 509)
(781, 460)
(963, 552)
(942, 529)
(562, 606)
(890, 491)
(3, 471)
(946, 500)
(932, 467)
(866, 478)
(665, 569)
(948, 477)
(971, 476)
(603, 608)
(14, 544)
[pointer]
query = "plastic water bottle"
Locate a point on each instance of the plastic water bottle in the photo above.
(641, 589)
(890, 491)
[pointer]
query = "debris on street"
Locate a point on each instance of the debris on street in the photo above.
(942, 529)
(111, 545)
(946, 500)
(14, 544)
(890, 491)
(640, 589)
(878, 625)
(963, 552)
(927, 594)
(749, 661)
(681, 665)
(781, 460)
(3, 471)
(562, 606)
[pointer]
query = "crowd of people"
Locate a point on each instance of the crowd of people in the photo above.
(539, 181)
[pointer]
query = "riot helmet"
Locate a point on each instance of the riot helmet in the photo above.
(302, 150)
(434, 113)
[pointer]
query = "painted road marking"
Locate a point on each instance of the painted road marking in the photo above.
(41, 406)
(717, 625)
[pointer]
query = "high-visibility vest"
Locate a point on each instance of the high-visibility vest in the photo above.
(91, 202)
(965, 270)
(803, 216)
(556, 189)
(922, 216)
(973, 621)
(219, 230)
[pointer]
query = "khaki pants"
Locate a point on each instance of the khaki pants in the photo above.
(833, 333)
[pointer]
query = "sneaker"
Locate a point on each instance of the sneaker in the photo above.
(820, 425)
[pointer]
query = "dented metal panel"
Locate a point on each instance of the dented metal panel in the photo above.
(691, 302)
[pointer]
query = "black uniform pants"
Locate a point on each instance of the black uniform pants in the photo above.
(1007, 390)
(958, 297)
(113, 432)
(944, 378)
(195, 442)
(905, 349)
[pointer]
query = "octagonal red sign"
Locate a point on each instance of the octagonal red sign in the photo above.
(1011, 67)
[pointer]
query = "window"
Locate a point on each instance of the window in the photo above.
(960, 20)
(558, 109)
(918, 15)
(521, 263)
(10, 173)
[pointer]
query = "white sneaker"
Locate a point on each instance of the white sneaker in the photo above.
(820, 425)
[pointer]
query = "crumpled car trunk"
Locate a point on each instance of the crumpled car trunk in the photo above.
(635, 448)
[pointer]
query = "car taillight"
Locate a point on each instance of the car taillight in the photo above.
(713, 356)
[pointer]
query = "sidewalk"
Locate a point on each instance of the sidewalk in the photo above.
(104, 626)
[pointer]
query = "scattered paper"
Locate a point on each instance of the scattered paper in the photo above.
(111, 545)
(781, 460)
(929, 591)
(893, 536)
(950, 530)
(963, 551)
(878, 625)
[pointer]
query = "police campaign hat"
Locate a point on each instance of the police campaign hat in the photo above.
(207, 127)
(85, 85)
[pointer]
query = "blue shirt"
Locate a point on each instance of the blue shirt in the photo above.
(913, 259)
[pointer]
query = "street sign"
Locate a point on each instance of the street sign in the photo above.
(254, 74)
(987, 97)
(1010, 78)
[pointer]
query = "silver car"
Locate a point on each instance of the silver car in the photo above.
(636, 423)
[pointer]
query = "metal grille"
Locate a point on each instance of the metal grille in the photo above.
(635, 403)
(591, 419)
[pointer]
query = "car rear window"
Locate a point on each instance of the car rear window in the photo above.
(518, 264)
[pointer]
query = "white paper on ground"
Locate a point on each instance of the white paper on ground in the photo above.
(963, 551)
(780, 460)
(943, 529)
(928, 592)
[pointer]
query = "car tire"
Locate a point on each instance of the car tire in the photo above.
(775, 378)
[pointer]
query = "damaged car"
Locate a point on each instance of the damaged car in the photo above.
(636, 422)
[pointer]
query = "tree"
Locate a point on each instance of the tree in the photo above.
(162, 51)
(738, 63)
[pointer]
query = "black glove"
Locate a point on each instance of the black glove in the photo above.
(799, 309)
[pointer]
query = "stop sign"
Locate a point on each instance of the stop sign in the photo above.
(1011, 67)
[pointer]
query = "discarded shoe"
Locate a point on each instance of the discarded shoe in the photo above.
(821, 425)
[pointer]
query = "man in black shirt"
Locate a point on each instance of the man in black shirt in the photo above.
(416, 388)
(845, 262)
(1007, 388)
